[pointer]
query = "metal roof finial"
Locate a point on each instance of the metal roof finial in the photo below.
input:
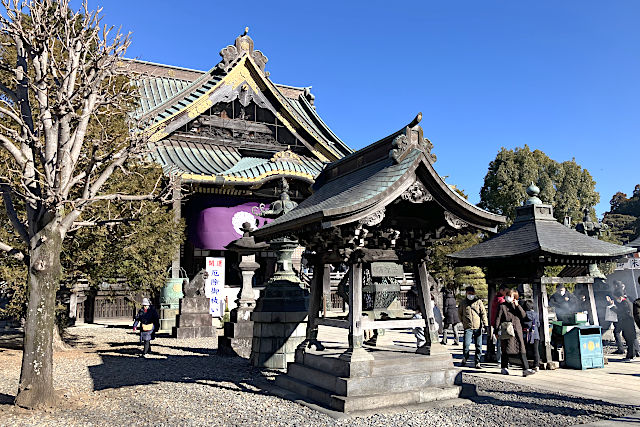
(532, 192)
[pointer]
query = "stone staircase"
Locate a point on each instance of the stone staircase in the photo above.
(391, 379)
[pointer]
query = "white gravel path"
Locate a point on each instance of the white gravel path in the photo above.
(186, 383)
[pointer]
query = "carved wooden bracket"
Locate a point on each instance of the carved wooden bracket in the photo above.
(454, 221)
(417, 193)
(372, 219)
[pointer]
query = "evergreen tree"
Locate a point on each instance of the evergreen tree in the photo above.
(567, 186)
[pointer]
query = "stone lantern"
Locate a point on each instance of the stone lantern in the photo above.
(281, 311)
(238, 332)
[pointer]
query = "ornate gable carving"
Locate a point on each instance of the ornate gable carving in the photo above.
(417, 193)
(243, 45)
(411, 139)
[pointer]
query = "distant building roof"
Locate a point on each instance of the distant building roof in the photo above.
(635, 243)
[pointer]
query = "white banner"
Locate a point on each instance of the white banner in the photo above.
(215, 285)
(628, 264)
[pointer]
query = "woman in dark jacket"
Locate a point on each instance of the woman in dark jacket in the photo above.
(511, 312)
(450, 316)
(531, 332)
(149, 322)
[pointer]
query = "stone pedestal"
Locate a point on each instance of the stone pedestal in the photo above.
(355, 380)
(194, 319)
(238, 334)
(168, 319)
(279, 324)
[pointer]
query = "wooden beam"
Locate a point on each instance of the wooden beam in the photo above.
(356, 336)
(564, 280)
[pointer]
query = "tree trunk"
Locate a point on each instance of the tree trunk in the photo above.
(36, 377)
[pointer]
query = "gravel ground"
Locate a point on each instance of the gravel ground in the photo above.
(186, 383)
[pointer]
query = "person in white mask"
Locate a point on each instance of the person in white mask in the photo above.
(474, 318)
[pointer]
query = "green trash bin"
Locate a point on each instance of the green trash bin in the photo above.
(583, 347)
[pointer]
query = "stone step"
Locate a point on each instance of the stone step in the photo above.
(317, 378)
(306, 390)
(387, 400)
(413, 363)
(380, 367)
(365, 403)
(363, 386)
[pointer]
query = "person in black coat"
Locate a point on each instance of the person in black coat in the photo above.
(511, 312)
(531, 332)
(451, 319)
(149, 322)
(623, 308)
(563, 301)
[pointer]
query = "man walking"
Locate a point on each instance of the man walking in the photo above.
(474, 318)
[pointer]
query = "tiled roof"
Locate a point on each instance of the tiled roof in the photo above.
(539, 235)
(201, 162)
(195, 158)
(351, 189)
(157, 90)
(635, 243)
(366, 181)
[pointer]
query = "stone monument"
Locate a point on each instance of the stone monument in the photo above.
(238, 332)
(194, 319)
(280, 314)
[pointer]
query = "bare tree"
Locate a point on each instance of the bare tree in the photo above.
(65, 76)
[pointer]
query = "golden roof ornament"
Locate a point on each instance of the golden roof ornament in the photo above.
(286, 156)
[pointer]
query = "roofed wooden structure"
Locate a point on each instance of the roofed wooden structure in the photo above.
(535, 240)
(377, 210)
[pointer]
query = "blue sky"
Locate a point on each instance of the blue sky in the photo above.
(559, 76)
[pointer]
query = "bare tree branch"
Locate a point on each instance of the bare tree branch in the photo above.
(11, 213)
(12, 252)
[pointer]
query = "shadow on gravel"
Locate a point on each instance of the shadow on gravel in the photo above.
(204, 367)
(6, 399)
(539, 399)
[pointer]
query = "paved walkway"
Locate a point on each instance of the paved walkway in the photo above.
(618, 382)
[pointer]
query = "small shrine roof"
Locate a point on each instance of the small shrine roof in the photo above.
(537, 236)
(369, 179)
(635, 243)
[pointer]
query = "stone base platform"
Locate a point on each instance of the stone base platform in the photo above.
(237, 339)
(194, 320)
(395, 377)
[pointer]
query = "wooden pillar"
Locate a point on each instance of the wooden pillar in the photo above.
(326, 289)
(542, 307)
(490, 356)
(315, 302)
(432, 343)
(177, 213)
(355, 352)
(356, 336)
(591, 308)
